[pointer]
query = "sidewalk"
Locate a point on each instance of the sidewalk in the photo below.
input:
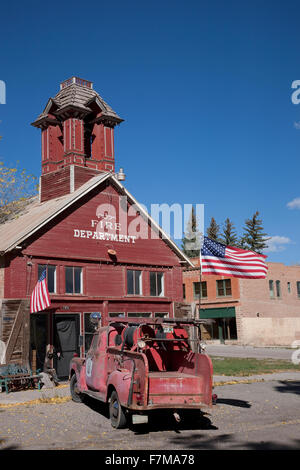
(276, 376)
(27, 396)
(227, 350)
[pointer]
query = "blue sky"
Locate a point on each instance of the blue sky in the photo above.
(204, 88)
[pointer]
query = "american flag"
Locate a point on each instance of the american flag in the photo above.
(220, 259)
(40, 299)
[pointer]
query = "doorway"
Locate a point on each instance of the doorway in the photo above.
(66, 330)
(38, 340)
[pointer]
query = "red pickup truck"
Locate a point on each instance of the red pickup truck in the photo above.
(143, 366)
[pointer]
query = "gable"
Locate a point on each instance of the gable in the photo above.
(104, 219)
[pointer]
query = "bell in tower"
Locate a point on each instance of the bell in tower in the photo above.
(77, 128)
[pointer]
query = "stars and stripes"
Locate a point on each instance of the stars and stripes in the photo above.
(220, 259)
(40, 299)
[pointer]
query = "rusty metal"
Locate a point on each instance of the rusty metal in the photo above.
(164, 374)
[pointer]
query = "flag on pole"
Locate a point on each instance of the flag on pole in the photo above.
(220, 259)
(40, 299)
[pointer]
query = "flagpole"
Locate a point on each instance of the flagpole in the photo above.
(200, 280)
(200, 271)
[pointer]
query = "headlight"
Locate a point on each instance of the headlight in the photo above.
(141, 344)
(203, 346)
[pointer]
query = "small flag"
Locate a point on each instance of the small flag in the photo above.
(220, 259)
(40, 299)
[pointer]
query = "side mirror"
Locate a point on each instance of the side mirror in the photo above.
(95, 317)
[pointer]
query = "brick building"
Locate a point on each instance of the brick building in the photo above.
(102, 251)
(260, 312)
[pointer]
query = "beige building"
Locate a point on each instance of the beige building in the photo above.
(269, 310)
(258, 312)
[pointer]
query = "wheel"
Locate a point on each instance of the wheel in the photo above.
(116, 413)
(75, 394)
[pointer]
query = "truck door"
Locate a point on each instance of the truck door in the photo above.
(96, 363)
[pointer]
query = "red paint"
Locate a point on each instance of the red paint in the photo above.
(160, 375)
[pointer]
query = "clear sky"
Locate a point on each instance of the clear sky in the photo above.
(204, 88)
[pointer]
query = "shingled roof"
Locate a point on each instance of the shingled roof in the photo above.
(76, 95)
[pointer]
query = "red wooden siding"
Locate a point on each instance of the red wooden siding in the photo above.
(60, 236)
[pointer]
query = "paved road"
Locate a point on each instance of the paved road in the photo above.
(263, 415)
(248, 351)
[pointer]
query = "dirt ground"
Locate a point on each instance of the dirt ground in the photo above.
(259, 415)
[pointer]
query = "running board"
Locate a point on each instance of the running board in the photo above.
(91, 393)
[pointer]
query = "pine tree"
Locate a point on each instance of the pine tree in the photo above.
(191, 240)
(213, 230)
(229, 236)
(254, 238)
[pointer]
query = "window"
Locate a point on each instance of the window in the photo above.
(183, 290)
(116, 314)
(134, 282)
(271, 289)
(157, 284)
(278, 289)
(51, 276)
(73, 280)
(298, 289)
(196, 288)
(289, 287)
(224, 287)
(140, 314)
(89, 330)
(161, 315)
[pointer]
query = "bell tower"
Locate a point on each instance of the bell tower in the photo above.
(77, 128)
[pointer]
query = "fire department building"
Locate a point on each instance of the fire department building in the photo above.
(101, 250)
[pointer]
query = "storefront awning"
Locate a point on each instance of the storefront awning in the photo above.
(225, 312)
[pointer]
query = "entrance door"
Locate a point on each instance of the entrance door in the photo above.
(65, 342)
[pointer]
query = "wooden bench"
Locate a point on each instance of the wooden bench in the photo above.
(15, 377)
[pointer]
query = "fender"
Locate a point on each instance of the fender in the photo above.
(121, 381)
(77, 366)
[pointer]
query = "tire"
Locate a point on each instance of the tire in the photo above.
(75, 394)
(116, 413)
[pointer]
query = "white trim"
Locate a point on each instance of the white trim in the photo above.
(47, 143)
(72, 179)
(64, 137)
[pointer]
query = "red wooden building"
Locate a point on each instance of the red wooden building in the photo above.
(102, 251)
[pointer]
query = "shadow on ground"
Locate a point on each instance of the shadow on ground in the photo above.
(233, 402)
(288, 387)
(7, 447)
(159, 420)
(227, 441)
(97, 406)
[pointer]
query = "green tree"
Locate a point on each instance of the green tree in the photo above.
(229, 236)
(254, 237)
(213, 230)
(191, 239)
(17, 188)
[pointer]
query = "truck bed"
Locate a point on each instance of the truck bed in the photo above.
(170, 374)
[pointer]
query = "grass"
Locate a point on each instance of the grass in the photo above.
(243, 367)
